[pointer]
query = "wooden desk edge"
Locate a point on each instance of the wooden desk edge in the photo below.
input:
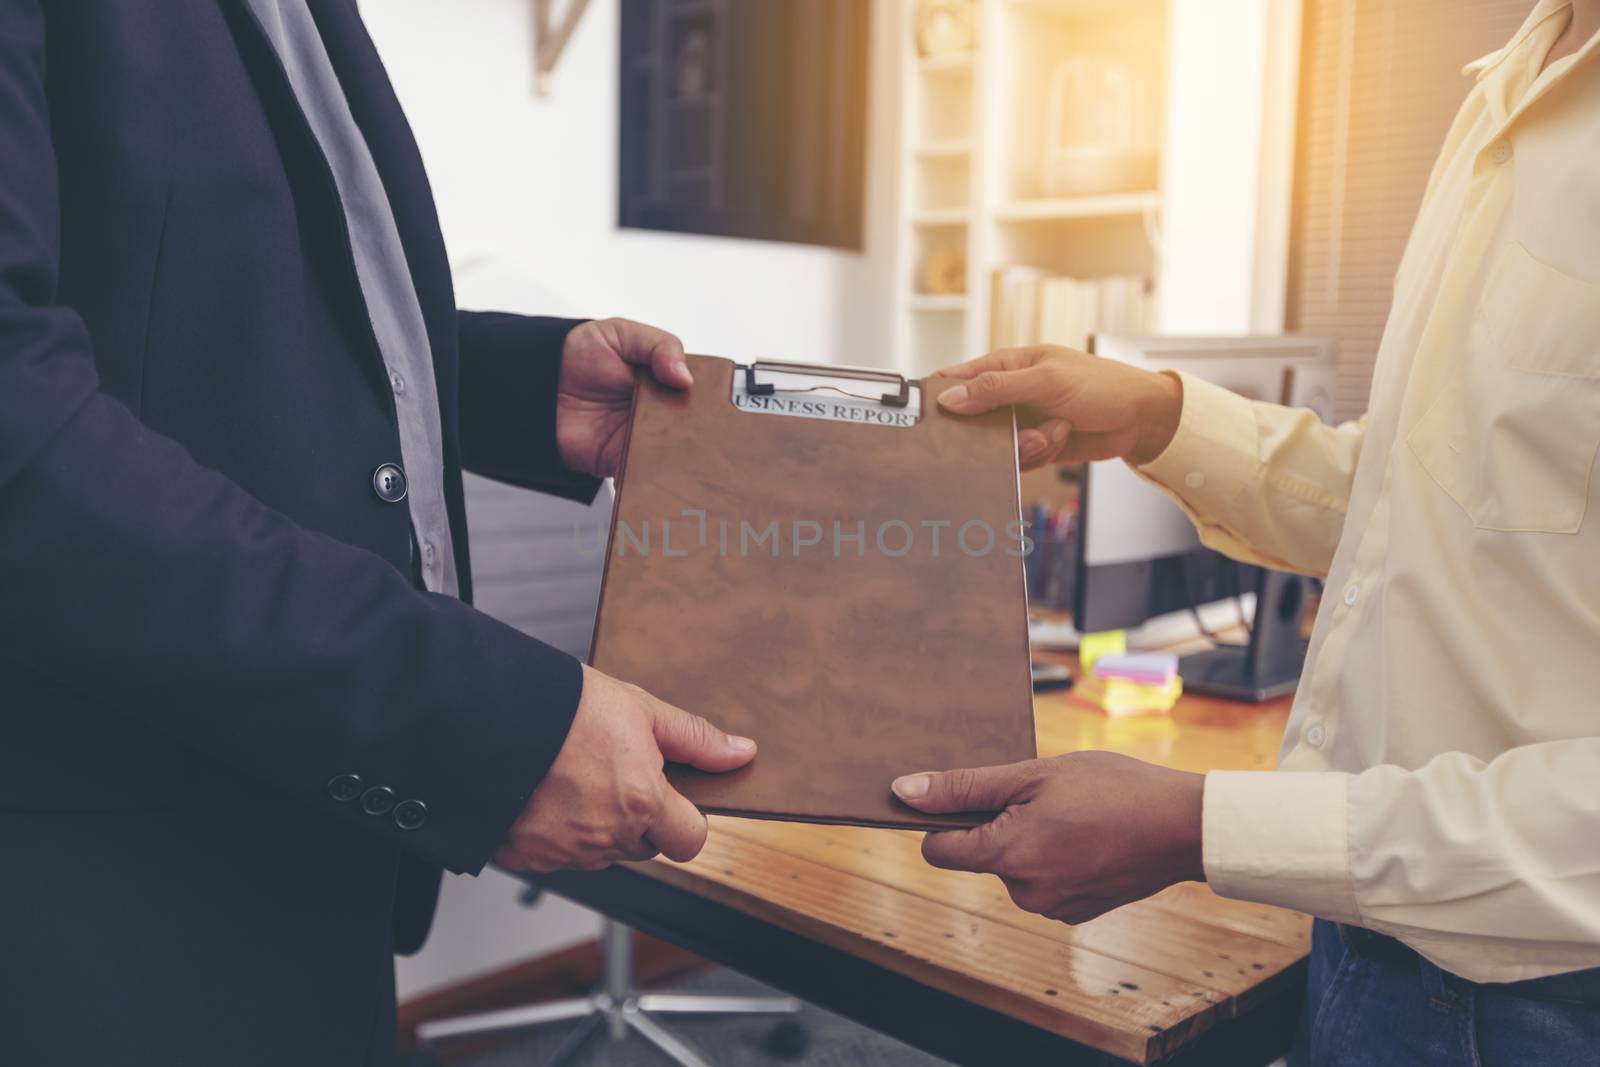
(1220, 1023)
(1127, 1044)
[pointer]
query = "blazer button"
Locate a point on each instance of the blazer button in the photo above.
(344, 787)
(377, 800)
(389, 483)
(410, 814)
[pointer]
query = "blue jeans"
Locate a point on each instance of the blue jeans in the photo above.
(1362, 1011)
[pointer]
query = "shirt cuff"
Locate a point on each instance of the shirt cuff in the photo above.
(1215, 452)
(1281, 838)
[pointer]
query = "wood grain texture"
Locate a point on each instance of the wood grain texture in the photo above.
(1137, 983)
(1176, 940)
(1082, 995)
(832, 641)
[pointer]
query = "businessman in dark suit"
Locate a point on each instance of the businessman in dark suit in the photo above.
(246, 713)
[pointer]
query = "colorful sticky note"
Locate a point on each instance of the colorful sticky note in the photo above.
(1122, 697)
(1092, 646)
(1150, 668)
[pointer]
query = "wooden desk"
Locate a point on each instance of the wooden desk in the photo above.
(854, 919)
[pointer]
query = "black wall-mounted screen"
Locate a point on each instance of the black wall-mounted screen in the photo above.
(744, 118)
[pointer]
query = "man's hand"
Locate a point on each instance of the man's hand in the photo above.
(1071, 407)
(605, 798)
(595, 393)
(1076, 835)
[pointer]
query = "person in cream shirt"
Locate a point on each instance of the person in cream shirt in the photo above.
(1437, 804)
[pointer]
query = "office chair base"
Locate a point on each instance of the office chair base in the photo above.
(619, 1011)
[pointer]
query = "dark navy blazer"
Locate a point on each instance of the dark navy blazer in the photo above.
(210, 643)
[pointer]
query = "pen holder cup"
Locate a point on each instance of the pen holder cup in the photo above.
(1052, 570)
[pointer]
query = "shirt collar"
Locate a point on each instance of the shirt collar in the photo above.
(1543, 10)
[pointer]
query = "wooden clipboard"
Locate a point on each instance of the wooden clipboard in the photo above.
(884, 630)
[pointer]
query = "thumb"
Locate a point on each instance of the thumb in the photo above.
(686, 738)
(661, 351)
(680, 829)
(996, 389)
(967, 789)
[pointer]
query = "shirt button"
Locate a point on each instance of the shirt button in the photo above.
(389, 483)
(1351, 592)
(429, 554)
(377, 800)
(397, 383)
(344, 787)
(1315, 735)
(1500, 151)
(410, 814)
(1195, 480)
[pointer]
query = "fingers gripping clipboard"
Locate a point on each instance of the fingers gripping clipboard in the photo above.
(821, 559)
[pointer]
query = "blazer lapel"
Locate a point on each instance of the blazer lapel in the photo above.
(378, 114)
(383, 123)
(315, 190)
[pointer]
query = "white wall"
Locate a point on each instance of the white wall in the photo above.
(526, 189)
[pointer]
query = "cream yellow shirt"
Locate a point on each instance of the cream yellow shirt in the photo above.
(1440, 777)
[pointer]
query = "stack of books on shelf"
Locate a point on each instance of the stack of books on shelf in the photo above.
(1030, 307)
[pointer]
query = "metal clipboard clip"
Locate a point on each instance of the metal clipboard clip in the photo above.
(900, 398)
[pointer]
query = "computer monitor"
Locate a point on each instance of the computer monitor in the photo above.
(1139, 555)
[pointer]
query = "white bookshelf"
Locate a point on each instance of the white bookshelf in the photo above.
(937, 217)
(1047, 209)
(969, 160)
(956, 148)
(932, 302)
(1217, 107)
(953, 64)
